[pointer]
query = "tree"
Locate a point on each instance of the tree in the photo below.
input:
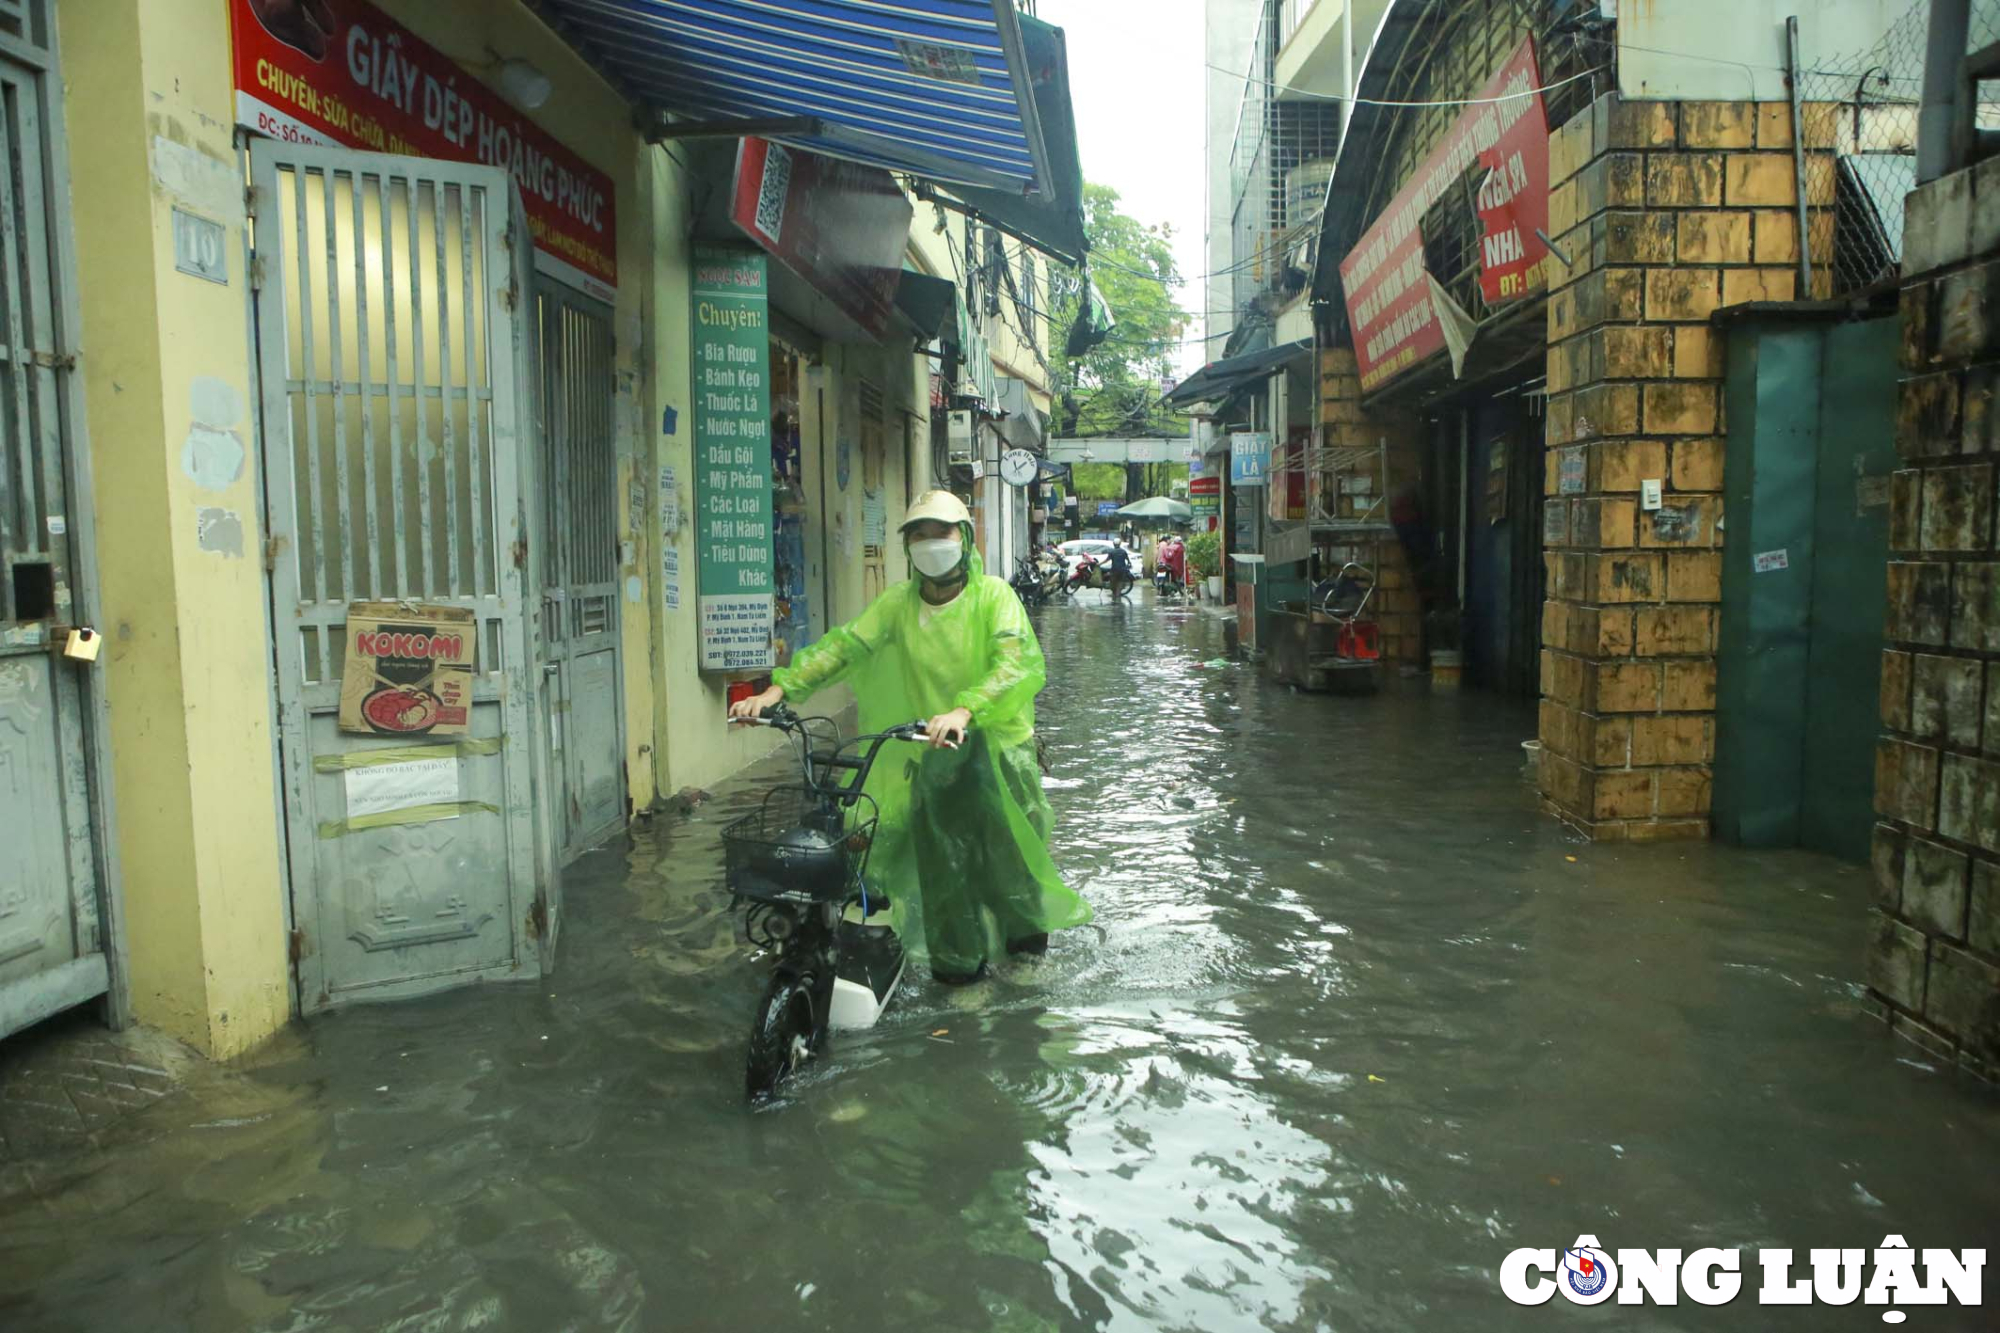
(1114, 388)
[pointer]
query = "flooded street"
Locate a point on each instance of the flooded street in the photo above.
(1353, 1022)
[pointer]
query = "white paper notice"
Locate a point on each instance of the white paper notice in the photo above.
(670, 499)
(1764, 562)
(670, 553)
(381, 787)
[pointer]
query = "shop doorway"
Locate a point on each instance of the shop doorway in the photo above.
(581, 683)
(1504, 576)
(55, 921)
(391, 340)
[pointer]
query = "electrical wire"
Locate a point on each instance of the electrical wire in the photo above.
(1383, 102)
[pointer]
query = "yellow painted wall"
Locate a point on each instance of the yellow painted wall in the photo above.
(148, 105)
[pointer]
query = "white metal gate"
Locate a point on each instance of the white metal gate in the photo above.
(393, 359)
(581, 691)
(55, 922)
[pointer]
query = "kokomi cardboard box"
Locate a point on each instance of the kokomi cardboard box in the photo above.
(408, 670)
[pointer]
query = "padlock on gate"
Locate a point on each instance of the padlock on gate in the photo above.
(82, 643)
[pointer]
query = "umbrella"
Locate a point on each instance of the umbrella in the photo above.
(1159, 506)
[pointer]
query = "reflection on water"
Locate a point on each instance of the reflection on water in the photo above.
(1350, 1026)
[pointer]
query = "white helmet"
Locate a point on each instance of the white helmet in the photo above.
(936, 507)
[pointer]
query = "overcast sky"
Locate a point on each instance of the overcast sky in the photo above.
(1136, 78)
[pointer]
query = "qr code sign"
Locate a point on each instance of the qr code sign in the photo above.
(771, 192)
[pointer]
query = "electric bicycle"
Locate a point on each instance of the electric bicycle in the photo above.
(795, 865)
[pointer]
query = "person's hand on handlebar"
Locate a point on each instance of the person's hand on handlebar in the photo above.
(946, 731)
(751, 709)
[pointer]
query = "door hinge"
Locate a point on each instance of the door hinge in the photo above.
(520, 553)
(250, 202)
(538, 918)
(54, 360)
(297, 949)
(256, 267)
(508, 296)
(274, 546)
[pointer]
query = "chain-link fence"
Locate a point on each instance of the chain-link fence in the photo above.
(1860, 119)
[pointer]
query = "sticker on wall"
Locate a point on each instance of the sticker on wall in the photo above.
(58, 525)
(1765, 562)
(1570, 470)
(212, 455)
(219, 531)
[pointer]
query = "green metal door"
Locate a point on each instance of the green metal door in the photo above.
(1811, 409)
(1857, 452)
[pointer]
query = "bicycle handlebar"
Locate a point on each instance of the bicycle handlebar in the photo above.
(788, 721)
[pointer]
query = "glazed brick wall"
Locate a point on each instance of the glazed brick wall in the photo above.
(1933, 959)
(1666, 212)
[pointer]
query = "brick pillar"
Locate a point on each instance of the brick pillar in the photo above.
(1933, 964)
(1398, 605)
(1665, 211)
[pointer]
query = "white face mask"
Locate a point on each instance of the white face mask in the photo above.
(938, 557)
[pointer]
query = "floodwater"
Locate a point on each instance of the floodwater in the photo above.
(1353, 1022)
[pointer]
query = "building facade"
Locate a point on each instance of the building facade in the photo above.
(1604, 313)
(419, 431)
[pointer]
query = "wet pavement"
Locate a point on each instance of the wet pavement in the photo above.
(1353, 1022)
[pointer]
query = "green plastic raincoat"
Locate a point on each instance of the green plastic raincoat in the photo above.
(968, 829)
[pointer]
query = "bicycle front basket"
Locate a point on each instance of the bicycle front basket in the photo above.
(791, 848)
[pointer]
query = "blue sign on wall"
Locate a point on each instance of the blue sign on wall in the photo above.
(1106, 508)
(1249, 458)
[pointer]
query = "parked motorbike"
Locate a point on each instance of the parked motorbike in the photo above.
(1027, 582)
(1169, 580)
(1037, 578)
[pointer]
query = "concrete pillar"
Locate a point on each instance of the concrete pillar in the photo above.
(1666, 211)
(1933, 962)
(166, 370)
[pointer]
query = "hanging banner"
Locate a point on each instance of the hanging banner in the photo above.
(407, 669)
(734, 545)
(343, 73)
(1389, 307)
(840, 226)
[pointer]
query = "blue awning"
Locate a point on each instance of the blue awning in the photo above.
(937, 88)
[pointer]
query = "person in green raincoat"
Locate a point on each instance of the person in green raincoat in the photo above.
(967, 825)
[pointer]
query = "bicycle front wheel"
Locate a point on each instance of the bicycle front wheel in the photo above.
(786, 1034)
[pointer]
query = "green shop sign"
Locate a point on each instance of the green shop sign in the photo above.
(732, 459)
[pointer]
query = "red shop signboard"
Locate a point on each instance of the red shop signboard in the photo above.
(343, 73)
(1388, 296)
(839, 226)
